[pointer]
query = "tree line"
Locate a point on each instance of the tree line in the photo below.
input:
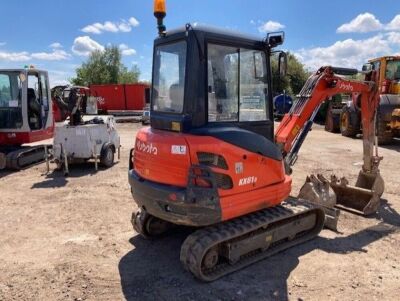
(106, 67)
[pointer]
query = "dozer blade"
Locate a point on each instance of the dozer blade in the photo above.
(317, 190)
(362, 198)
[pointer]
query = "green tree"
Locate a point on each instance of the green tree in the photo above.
(105, 67)
(129, 76)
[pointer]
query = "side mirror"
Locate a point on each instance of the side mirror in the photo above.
(275, 39)
(367, 67)
(282, 64)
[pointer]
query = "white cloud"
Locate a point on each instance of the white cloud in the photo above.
(365, 22)
(346, 53)
(61, 74)
(23, 56)
(98, 28)
(125, 50)
(2, 44)
(56, 55)
(133, 21)
(15, 56)
(394, 24)
(94, 28)
(393, 37)
(55, 45)
(108, 26)
(124, 27)
(270, 26)
(84, 45)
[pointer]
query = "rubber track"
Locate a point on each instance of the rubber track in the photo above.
(197, 244)
(13, 158)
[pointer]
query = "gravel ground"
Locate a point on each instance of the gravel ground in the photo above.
(71, 239)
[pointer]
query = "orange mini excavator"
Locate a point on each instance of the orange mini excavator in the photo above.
(210, 158)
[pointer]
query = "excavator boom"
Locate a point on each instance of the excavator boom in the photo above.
(292, 131)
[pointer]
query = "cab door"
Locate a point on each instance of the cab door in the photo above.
(38, 99)
(237, 89)
(45, 100)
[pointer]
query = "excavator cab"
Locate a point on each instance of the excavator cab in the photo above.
(25, 112)
(25, 106)
(205, 78)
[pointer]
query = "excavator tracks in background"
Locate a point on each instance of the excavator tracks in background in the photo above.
(25, 157)
(218, 250)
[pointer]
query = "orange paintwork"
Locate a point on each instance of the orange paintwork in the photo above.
(270, 188)
(154, 161)
(242, 203)
(326, 84)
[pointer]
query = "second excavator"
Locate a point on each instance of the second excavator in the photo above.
(211, 160)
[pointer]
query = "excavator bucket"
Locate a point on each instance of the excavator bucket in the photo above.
(317, 190)
(362, 198)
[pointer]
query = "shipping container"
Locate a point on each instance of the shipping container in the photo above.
(115, 97)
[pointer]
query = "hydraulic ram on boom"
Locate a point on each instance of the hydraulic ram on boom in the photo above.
(293, 129)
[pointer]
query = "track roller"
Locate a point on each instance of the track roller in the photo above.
(218, 250)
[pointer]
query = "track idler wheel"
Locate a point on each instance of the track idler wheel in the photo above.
(211, 258)
(148, 225)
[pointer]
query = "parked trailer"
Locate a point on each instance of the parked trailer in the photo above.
(121, 98)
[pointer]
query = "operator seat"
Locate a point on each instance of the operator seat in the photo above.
(176, 96)
(34, 110)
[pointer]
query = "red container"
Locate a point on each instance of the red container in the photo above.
(128, 97)
(135, 95)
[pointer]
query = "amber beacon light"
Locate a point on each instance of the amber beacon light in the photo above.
(160, 13)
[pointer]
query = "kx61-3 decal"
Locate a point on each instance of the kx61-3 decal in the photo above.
(248, 180)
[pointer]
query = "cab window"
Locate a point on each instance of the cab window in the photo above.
(236, 84)
(393, 70)
(44, 91)
(10, 100)
(169, 77)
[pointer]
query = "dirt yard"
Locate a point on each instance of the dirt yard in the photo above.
(71, 239)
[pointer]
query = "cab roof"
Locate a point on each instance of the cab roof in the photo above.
(22, 70)
(388, 57)
(212, 32)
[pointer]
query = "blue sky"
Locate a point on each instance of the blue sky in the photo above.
(57, 35)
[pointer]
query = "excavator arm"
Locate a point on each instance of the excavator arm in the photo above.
(328, 81)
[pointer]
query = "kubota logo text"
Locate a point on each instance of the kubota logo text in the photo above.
(146, 148)
(347, 87)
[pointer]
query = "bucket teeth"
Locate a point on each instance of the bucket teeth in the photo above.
(317, 190)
